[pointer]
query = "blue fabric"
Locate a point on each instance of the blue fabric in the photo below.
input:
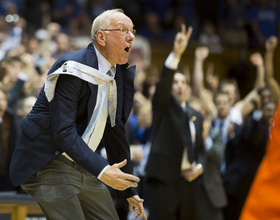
(267, 19)
(141, 135)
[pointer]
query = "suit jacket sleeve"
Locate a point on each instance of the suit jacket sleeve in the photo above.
(162, 94)
(117, 148)
(253, 132)
(216, 153)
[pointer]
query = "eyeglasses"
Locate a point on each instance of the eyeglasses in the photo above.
(122, 31)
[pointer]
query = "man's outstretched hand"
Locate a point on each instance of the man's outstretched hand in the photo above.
(117, 179)
(137, 203)
(181, 41)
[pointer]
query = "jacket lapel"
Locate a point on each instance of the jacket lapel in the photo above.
(128, 90)
(91, 60)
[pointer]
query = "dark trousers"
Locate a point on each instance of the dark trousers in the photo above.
(180, 201)
(208, 211)
(64, 190)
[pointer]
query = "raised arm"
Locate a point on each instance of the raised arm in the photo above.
(257, 61)
(163, 88)
(246, 105)
(212, 79)
(270, 45)
(201, 53)
(181, 41)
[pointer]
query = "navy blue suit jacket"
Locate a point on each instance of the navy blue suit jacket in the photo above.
(52, 128)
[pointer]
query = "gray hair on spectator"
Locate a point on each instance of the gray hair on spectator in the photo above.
(102, 21)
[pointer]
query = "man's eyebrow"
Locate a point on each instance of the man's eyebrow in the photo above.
(122, 24)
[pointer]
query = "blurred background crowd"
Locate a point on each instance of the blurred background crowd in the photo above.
(229, 65)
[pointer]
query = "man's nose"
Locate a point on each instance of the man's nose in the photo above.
(131, 36)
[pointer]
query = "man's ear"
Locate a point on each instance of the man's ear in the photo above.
(101, 38)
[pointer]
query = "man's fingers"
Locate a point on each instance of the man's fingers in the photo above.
(127, 181)
(183, 28)
(189, 32)
(131, 209)
(137, 198)
(130, 178)
(121, 164)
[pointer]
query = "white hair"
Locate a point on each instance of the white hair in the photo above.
(102, 21)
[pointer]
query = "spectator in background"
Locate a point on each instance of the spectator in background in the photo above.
(176, 143)
(206, 11)
(229, 129)
(138, 133)
(139, 121)
(24, 106)
(186, 14)
(233, 21)
(199, 91)
(134, 9)
(140, 55)
(16, 79)
(47, 44)
(8, 138)
(262, 201)
(64, 12)
(265, 22)
(240, 109)
(164, 9)
(212, 79)
(208, 37)
(94, 8)
(247, 156)
(63, 46)
(270, 46)
(213, 196)
(152, 28)
(37, 15)
(16, 27)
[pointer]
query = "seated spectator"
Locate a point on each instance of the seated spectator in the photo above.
(265, 22)
(16, 79)
(208, 37)
(186, 14)
(24, 106)
(139, 122)
(233, 20)
(63, 46)
(8, 134)
(64, 11)
(16, 26)
(152, 28)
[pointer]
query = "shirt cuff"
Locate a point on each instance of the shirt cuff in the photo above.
(22, 76)
(257, 115)
(102, 171)
(208, 143)
(172, 62)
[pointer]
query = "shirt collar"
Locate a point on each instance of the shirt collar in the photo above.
(184, 106)
(227, 120)
(103, 64)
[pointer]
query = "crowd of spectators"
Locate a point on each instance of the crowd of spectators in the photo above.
(243, 122)
(34, 33)
(217, 23)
